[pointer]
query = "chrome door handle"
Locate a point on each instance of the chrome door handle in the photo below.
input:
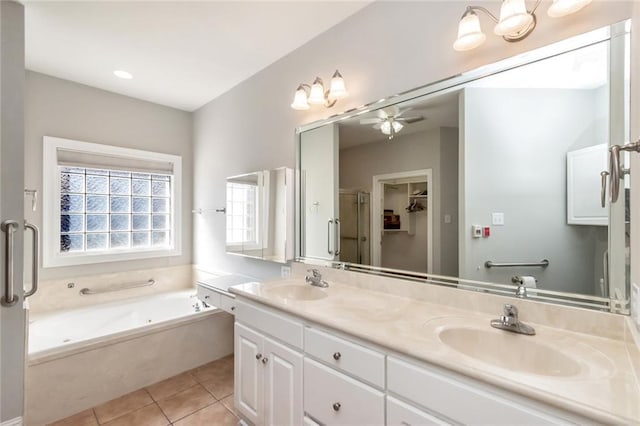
(337, 236)
(603, 188)
(329, 223)
(35, 232)
(9, 227)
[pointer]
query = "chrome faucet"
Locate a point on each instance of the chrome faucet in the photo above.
(315, 279)
(509, 321)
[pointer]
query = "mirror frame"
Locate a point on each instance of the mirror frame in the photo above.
(439, 87)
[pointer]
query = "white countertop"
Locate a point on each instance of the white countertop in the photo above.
(606, 388)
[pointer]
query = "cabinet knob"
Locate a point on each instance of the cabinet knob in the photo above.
(336, 406)
(258, 356)
(265, 360)
(337, 355)
(233, 308)
(206, 297)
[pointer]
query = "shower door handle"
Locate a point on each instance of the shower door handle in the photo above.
(329, 236)
(603, 188)
(35, 232)
(337, 236)
(9, 227)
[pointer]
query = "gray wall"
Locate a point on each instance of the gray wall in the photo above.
(414, 151)
(11, 156)
(386, 48)
(55, 107)
(518, 167)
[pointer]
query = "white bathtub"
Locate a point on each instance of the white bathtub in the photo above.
(79, 358)
(66, 331)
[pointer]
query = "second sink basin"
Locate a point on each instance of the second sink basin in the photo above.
(295, 292)
(509, 351)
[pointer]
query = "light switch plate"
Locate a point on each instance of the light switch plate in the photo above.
(497, 219)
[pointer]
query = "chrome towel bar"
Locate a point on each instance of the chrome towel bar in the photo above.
(126, 286)
(489, 264)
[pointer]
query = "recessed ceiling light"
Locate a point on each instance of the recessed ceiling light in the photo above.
(123, 74)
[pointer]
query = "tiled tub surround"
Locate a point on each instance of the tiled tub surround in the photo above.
(405, 318)
(126, 342)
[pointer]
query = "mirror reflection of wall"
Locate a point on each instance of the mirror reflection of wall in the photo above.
(259, 212)
(519, 152)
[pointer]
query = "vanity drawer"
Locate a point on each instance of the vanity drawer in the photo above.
(344, 355)
(332, 398)
(402, 414)
(208, 296)
(279, 326)
(228, 303)
(445, 395)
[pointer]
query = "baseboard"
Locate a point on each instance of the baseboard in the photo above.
(13, 422)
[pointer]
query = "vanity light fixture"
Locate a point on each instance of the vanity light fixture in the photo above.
(316, 94)
(515, 22)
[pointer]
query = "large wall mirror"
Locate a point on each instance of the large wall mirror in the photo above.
(492, 177)
(259, 215)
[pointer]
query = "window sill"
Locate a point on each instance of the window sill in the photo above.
(84, 258)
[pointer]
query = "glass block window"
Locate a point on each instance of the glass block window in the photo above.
(108, 210)
(242, 205)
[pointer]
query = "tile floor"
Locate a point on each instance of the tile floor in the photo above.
(203, 396)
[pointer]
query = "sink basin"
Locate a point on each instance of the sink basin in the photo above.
(510, 351)
(295, 292)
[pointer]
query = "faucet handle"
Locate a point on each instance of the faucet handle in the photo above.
(510, 311)
(315, 272)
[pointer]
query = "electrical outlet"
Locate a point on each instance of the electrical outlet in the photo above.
(285, 271)
(476, 231)
(447, 218)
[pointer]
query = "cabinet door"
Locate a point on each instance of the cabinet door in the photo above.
(283, 385)
(249, 374)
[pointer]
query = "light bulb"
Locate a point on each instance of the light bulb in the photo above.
(513, 18)
(470, 34)
(385, 127)
(316, 94)
(338, 89)
(300, 99)
(396, 126)
(561, 8)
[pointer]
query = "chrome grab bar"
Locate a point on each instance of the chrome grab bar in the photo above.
(329, 236)
(9, 227)
(35, 258)
(86, 291)
(337, 236)
(489, 264)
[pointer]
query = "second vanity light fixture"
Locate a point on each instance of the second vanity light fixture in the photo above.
(515, 22)
(316, 94)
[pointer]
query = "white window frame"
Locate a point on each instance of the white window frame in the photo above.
(258, 244)
(51, 255)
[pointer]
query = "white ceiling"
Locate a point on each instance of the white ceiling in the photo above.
(181, 54)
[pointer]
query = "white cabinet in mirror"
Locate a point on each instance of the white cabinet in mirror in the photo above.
(499, 190)
(259, 214)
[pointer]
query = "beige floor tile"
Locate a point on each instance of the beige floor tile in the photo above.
(85, 418)
(214, 371)
(216, 414)
(186, 402)
(228, 402)
(123, 405)
(221, 386)
(171, 386)
(151, 415)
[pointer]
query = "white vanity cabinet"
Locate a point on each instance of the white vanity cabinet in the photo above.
(289, 371)
(268, 372)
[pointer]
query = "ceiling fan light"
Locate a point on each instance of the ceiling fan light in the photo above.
(470, 34)
(397, 126)
(316, 94)
(513, 18)
(561, 8)
(300, 99)
(385, 127)
(338, 89)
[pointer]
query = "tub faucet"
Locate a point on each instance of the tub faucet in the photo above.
(315, 279)
(509, 321)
